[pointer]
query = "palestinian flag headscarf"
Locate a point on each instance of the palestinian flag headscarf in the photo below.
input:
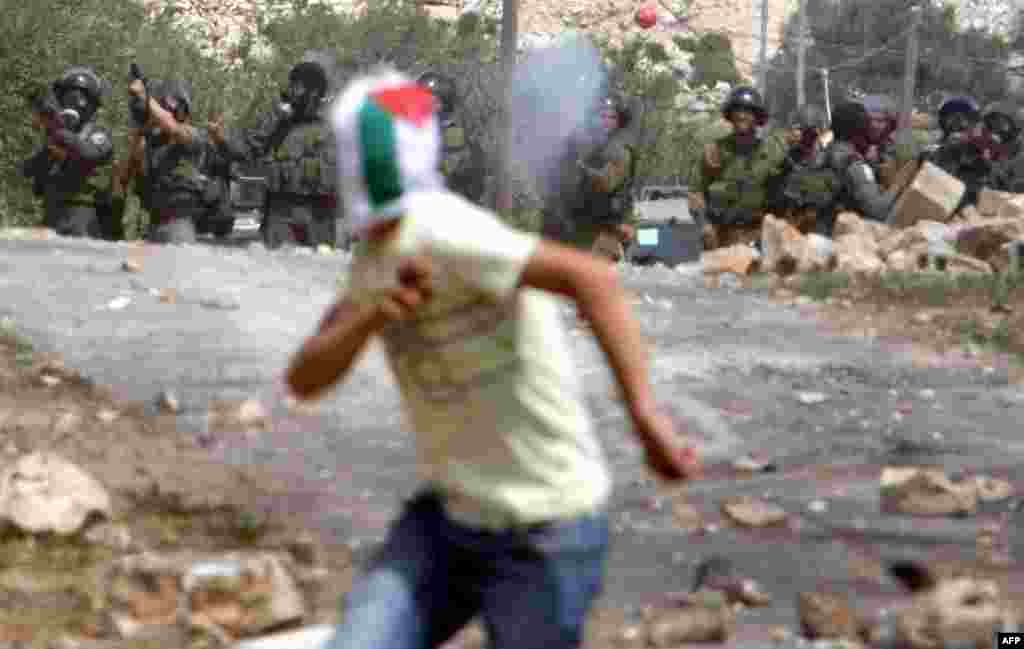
(388, 140)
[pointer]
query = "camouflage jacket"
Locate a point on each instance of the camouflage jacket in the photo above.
(181, 174)
(859, 189)
(461, 162)
(729, 177)
(83, 177)
(299, 154)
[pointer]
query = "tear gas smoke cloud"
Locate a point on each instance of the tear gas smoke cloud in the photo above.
(552, 93)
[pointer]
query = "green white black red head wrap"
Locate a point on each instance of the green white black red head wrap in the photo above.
(386, 131)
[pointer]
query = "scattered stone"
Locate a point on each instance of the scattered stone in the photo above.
(119, 303)
(167, 401)
(325, 249)
(67, 422)
(131, 266)
(236, 594)
(49, 380)
(817, 506)
(43, 492)
(924, 491)
(631, 637)
(827, 616)
(687, 517)
(779, 634)
(923, 317)
(738, 259)
(167, 295)
(960, 612)
(992, 489)
(107, 416)
(692, 624)
(927, 394)
(811, 398)
(117, 537)
(751, 512)
(249, 413)
(220, 303)
(748, 464)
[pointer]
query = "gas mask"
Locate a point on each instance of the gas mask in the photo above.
(958, 122)
(298, 100)
(76, 107)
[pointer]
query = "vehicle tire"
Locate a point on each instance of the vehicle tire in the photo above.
(222, 229)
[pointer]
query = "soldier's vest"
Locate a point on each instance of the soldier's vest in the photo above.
(179, 176)
(455, 153)
(304, 162)
(83, 184)
(600, 208)
(743, 180)
(812, 185)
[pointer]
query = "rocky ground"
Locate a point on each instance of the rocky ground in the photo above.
(799, 417)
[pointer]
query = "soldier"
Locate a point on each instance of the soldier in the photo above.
(296, 143)
(595, 210)
(968, 149)
(731, 180)
(1005, 120)
(71, 171)
(462, 160)
(846, 157)
(172, 159)
(805, 185)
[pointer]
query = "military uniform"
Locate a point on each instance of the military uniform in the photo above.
(462, 163)
(805, 185)
(76, 190)
(732, 181)
(596, 192)
(297, 147)
(859, 189)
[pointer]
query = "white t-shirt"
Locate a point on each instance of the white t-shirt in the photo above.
(485, 371)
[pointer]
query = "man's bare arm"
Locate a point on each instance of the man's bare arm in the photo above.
(593, 284)
(327, 356)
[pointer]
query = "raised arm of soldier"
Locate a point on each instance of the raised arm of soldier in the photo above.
(179, 132)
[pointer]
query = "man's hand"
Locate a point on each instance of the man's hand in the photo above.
(216, 128)
(137, 88)
(400, 302)
(666, 457)
(57, 152)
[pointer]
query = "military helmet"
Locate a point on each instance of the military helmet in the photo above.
(808, 116)
(849, 119)
(745, 98)
(80, 78)
(443, 88)
(1005, 119)
(311, 73)
(959, 105)
(875, 104)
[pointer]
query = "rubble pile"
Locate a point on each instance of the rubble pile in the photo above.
(924, 232)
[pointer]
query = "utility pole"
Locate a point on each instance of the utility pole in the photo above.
(509, 46)
(801, 55)
(763, 58)
(906, 135)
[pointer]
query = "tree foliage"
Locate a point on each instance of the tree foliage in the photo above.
(952, 61)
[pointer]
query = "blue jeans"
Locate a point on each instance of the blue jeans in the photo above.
(533, 587)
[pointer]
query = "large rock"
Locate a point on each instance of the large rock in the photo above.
(991, 201)
(238, 594)
(43, 492)
(827, 616)
(1012, 208)
(924, 491)
(897, 173)
(853, 223)
(933, 195)
(987, 240)
(961, 612)
(786, 250)
(739, 259)
(930, 234)
(857, 254)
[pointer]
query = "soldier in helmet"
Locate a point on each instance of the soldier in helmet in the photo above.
(596, 212)
(805, 184)
(967, 150)
(846, 156)
(295, 142)
(172, 159)
(72, 169)
(730, 183)
(1005, 120)
(461, 160)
